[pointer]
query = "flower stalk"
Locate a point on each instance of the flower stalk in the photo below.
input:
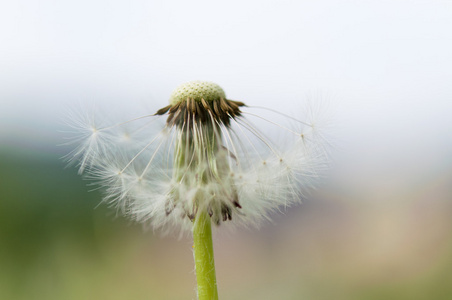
(204, 258)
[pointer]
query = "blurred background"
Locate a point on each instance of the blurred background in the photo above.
(380, 226)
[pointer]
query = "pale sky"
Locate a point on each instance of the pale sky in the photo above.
(386, 66)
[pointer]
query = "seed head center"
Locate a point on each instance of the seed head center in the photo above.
(197, 90)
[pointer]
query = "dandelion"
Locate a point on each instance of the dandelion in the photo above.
(197, 161)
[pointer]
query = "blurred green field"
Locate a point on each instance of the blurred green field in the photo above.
(57, 243)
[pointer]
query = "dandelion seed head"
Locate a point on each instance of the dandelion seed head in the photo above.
(207, 156)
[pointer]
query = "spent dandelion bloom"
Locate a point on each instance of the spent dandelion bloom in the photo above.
(201, 159)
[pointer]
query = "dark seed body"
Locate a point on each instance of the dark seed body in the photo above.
(188, 116)
(189, 111)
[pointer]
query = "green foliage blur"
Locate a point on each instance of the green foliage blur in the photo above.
(57, 242)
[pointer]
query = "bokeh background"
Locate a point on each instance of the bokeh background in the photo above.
(380, 225)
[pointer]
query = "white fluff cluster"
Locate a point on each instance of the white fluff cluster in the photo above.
(163, 173)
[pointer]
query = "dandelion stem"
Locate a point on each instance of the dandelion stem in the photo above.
(204, 260)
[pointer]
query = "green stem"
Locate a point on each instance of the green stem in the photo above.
(204, 260)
